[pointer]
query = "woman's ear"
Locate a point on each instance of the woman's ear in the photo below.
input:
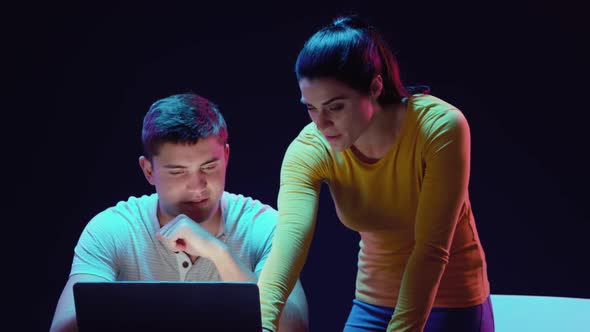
(376, 87)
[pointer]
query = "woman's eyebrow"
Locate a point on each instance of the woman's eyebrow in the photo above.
(303, 101)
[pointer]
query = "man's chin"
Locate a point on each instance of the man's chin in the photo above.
(199, 212)
(197, 217)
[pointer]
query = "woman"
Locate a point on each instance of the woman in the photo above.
(397, 165)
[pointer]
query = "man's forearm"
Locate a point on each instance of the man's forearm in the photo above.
(294, 317)
(230, 267)
(64, 324)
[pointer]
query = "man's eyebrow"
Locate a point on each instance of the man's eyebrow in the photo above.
(171, 166)
(210, 161)
(303, 101)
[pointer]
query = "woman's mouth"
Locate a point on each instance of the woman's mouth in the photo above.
(332, 137)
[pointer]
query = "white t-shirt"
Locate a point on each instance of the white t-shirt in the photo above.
(120, 242)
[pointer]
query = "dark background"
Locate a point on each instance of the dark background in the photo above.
(84, 75)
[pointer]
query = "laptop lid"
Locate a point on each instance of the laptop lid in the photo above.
(167, 306)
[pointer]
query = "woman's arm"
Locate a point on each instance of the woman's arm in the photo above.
(301, 175)
(444, 192)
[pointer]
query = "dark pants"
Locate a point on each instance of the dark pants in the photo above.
(366, 317)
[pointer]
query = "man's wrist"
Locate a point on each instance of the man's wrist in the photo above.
(220, 252)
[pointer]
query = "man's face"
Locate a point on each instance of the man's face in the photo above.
(189, 178)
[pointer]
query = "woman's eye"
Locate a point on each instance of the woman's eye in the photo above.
(336, 108)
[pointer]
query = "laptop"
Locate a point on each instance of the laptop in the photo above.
(167, 306)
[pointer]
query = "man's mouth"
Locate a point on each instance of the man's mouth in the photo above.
(197, 202)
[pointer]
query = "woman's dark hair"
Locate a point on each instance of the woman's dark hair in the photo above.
(353, 52)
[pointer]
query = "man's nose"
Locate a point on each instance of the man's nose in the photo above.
(196, 181)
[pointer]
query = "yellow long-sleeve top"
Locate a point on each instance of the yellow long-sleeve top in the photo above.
(419, 244)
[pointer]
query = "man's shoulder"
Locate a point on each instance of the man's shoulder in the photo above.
(247, 211)
(249, 223)
(134, 204)
(246, 204)
(125, 212)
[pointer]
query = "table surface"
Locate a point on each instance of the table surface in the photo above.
(540, 313)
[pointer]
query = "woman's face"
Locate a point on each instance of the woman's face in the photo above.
(340, 112)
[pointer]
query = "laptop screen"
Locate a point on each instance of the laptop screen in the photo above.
(167, 306)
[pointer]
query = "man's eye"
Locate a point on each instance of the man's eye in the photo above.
(176, 173)
(336, 108)
(209, 168)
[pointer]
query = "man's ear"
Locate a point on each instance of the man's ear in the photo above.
(376, 87)
(146, 167)
(226, 153)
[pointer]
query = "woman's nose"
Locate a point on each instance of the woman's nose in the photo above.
(323, 121)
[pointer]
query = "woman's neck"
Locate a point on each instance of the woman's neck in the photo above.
(381, 133)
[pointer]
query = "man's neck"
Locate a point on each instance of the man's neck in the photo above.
(211, 224)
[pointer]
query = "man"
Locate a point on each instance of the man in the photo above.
(190, 229)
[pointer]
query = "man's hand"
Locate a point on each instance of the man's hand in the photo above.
(184, 234)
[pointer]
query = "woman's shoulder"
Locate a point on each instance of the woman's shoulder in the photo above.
(311, 132)
(438, 120)
(309, 138)
(430, 103)
(433, 111)
(308, 151)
